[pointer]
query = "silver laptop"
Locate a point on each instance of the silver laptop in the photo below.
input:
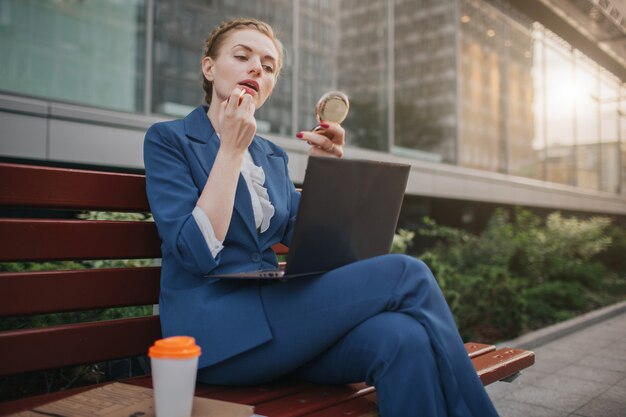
(348, 211)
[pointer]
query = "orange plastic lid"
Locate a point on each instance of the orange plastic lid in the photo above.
(176, 347)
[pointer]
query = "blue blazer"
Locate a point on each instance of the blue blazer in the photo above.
(225, 317)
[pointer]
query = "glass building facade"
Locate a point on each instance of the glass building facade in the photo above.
(473, 83)
(84, 52)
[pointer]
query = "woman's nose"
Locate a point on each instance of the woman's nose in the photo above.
(255, 66)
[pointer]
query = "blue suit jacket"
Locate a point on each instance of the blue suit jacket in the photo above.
(225, 317)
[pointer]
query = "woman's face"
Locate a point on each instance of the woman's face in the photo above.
(246, 59)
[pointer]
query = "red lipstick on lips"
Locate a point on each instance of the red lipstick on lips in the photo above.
(250, 86)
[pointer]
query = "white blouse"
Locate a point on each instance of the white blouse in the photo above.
(261, 205)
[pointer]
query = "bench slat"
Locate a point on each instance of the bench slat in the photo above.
(280, 249)
(502, 363)
(75, 290)
(257, 394)
(75, 344)
(44, 240)
(356, 407)
(252, 395)
(317, 398)
(477, 349)
(37, 186)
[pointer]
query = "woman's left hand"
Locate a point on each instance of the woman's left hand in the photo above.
(326, 141)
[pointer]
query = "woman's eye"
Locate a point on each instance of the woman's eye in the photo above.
(241, 57)
(268, 68)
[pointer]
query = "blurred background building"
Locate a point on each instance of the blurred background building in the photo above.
(492, 102)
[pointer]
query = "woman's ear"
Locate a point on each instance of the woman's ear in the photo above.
(208, 68)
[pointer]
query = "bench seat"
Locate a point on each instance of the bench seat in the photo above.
(298, 399)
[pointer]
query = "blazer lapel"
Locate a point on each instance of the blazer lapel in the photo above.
(275, 180)
(243, 207)
(205, 143)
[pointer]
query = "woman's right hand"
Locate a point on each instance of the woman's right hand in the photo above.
(236, 126)
(237, 123)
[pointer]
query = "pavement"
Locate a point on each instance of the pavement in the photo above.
(579, 370)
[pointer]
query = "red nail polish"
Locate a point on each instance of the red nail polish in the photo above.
(325, 125)
(299, 135)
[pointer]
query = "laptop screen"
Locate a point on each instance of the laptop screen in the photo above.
(348, 211)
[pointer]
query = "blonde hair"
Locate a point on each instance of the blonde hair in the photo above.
(216, 38)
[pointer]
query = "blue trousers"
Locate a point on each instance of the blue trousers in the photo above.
(382, 320)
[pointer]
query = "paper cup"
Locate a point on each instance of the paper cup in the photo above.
(174, 362)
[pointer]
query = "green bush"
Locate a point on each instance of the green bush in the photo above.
(522, 272)
(550, 302)
(486, 301)
(402, 241)
(613, 257)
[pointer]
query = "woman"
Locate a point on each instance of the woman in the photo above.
(221, 197)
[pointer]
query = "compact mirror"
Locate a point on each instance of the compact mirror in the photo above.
(333, 107)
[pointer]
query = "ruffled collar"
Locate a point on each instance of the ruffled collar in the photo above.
(261, 204)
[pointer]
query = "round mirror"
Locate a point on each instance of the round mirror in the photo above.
(333, 107)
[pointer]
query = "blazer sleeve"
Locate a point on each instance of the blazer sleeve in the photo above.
(294, 196)
(173, 194)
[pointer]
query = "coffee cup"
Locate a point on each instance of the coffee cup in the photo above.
(174, 362)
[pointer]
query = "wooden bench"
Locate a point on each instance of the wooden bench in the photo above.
(27, 193)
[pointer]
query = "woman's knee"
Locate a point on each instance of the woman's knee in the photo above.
(409, 268)
(406, 262)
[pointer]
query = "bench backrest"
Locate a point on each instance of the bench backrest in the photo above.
(39, 235)
(28, 239)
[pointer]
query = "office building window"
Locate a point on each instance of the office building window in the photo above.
(621, 121)
(362, 67)
(318, 52)
(609, 106)
(424, 99)
(496, 59)
(86, 52)
(559, 91)
(520, 156)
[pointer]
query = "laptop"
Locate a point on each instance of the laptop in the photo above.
(348, 211)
